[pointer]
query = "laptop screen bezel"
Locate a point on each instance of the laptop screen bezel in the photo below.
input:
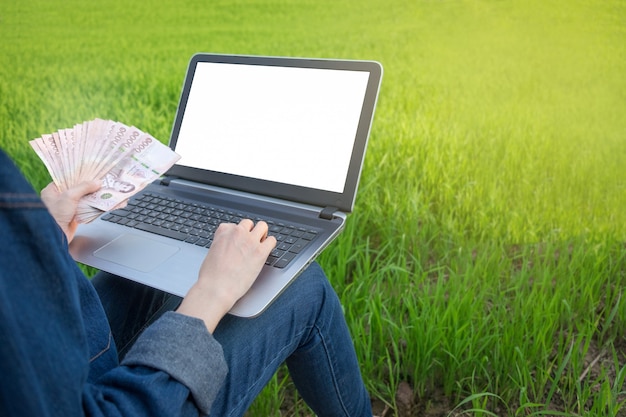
(343, 201)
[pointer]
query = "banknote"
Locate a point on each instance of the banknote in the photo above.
(124, 158)
(144, 159)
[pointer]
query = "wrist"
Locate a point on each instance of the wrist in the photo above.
(205, 304)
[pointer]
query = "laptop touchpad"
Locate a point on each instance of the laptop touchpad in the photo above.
(136, 252)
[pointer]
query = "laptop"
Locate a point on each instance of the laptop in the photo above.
(278, 139)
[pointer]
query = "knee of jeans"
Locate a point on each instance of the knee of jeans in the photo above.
(313, 288)
(314, 282)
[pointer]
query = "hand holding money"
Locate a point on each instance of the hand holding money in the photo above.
(123, 158)
(62, 205)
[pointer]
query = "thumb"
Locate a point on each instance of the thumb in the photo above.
(84, 188)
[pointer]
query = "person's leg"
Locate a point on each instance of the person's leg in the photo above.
(304, 327)
(130, 307)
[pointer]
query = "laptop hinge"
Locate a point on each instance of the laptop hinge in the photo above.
(166, 180)
(328, 212)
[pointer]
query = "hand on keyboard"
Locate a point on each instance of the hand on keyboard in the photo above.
(232, 264)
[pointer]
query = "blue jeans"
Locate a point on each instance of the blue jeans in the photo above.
(304, 327)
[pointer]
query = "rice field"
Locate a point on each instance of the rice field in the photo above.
(483, 269)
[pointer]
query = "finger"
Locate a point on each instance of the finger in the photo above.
(247, 224)
(260, 230)
(84, 188)
(50, 189)
(270, 243)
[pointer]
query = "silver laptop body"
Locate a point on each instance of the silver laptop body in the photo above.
(274, 138)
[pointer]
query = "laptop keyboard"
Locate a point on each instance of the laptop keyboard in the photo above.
(196, 223)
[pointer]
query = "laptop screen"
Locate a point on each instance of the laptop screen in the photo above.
(288, 121)
(279, 124)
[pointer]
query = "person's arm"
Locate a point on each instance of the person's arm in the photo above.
(231, 266)
(234, 261)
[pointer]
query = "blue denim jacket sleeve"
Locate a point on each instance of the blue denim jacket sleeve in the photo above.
(57, 355)
(170, 343)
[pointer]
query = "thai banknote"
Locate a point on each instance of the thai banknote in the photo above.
(143, 159)
(122, 157)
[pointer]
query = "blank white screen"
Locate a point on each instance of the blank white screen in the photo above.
(289, 125)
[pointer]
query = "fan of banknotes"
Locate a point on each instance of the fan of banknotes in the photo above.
(123, 157)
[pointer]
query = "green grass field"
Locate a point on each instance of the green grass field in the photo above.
(483, 270)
